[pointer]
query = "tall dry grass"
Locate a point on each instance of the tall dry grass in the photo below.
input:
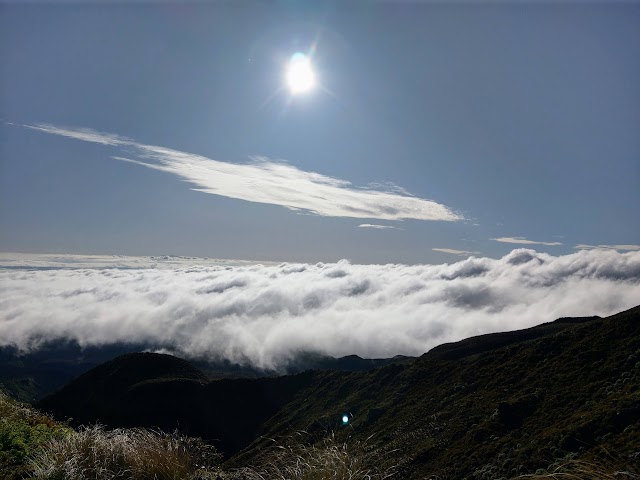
(604, 467)
(13, 410)
(95, 453)
(327, 459)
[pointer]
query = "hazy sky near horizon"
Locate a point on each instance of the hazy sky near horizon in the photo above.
(436, 130)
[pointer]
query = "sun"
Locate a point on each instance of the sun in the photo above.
(300, 76)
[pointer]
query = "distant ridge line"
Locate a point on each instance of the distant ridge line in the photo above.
(491, 341)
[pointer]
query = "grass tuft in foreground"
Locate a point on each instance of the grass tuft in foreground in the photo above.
(97, 454)
(327, 459)
(603, 467)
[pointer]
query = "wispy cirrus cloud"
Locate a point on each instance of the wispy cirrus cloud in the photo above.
(84, 134)
(266, 181)
(607, 247)
(524, 241)
(388, 187)
(453, 251)
(266, 314)
(378, 227)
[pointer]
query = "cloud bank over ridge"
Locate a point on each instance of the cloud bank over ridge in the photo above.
(266, 181)
(264, 315)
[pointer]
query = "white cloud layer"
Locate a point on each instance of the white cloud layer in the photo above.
(524, 241)
(265, 314)
(266, 181)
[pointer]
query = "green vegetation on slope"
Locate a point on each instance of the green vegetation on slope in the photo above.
(514, 410)
(561, 404)
(23, 433)
(33, 446)
(95, 453)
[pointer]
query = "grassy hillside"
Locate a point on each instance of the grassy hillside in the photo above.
(23, 432)
(34, 446)
(519, 408)
(564, 395)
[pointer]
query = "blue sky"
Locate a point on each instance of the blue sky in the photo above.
(501, 121)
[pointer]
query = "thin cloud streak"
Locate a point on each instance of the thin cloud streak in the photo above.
(266, 314)
(84, 134)
(453, 251)
(607, 247)
(378, 227)
(524, 241)
(266, 181)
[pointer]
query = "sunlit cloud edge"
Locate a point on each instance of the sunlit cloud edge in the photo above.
(524, 241)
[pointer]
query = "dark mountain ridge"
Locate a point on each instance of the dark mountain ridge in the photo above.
(492, 341)
(32, 376)
(573, 392)
(163, 391)
(167, 392)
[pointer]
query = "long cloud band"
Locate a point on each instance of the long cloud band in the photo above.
(266, 181)
(264, 315)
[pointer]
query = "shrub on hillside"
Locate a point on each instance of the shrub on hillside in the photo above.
(23, 432)
(128, 454)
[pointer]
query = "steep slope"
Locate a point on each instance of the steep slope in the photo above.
(501, 412)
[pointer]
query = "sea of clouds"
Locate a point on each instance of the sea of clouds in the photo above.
(265, 314)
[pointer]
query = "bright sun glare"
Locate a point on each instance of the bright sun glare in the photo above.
(300, 77)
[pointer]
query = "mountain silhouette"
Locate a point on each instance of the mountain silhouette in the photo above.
(31, 376)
